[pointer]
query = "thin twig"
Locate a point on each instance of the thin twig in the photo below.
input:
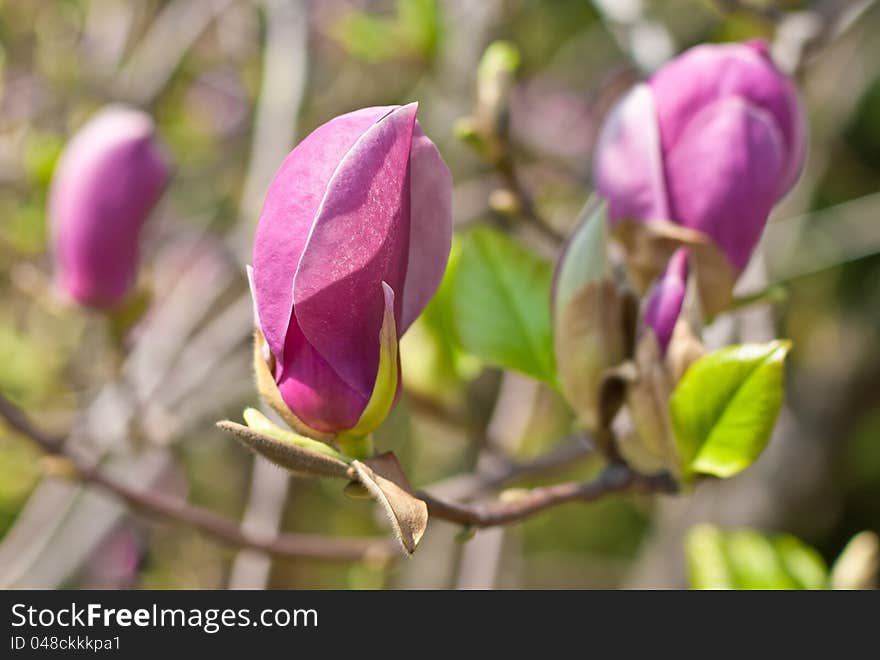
(562, 456)
(615, 478)
(438, 411)
(155, 503)
(507, 170)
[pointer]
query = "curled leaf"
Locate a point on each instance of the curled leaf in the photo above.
(385, 389)
(384, 478)
(262, 424)
(289, 453)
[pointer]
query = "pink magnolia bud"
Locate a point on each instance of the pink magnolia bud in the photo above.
(108, 179)
(664, 304)
(357, 221)
(711, 142)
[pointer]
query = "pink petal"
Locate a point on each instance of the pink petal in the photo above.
(723, 175)
(711, 72)
(289, 212)
(313, 390)
(360, 238)
(628, 169)
(664, 305)
(430, 226)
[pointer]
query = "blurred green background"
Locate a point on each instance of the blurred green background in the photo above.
(234, 84)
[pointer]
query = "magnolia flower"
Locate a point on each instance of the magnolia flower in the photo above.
(711, 142)
(352, 243)
(108, 179)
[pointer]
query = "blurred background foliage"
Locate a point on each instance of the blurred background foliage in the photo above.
(233, 85)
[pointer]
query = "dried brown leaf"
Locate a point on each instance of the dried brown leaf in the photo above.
(715, 278)
(649, 245)
(684, 348)
(590, 337)
(384, 478)
(648, 403)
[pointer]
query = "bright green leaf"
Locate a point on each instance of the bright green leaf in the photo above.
(501, 304)
(706, 561)
(754, 562)
(747, 559)
(434, 363)
(805, 566)
(725, 406)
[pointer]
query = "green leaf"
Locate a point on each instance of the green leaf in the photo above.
(414, 31)
(747, 559)
(501, 305)
(725, 406)
(435, 364)
(805, 566)
(421, 26)
(706, 559)
(754, 562)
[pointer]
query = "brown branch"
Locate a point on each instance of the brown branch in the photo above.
(221, 528)
(615, 478)
(501, 471)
